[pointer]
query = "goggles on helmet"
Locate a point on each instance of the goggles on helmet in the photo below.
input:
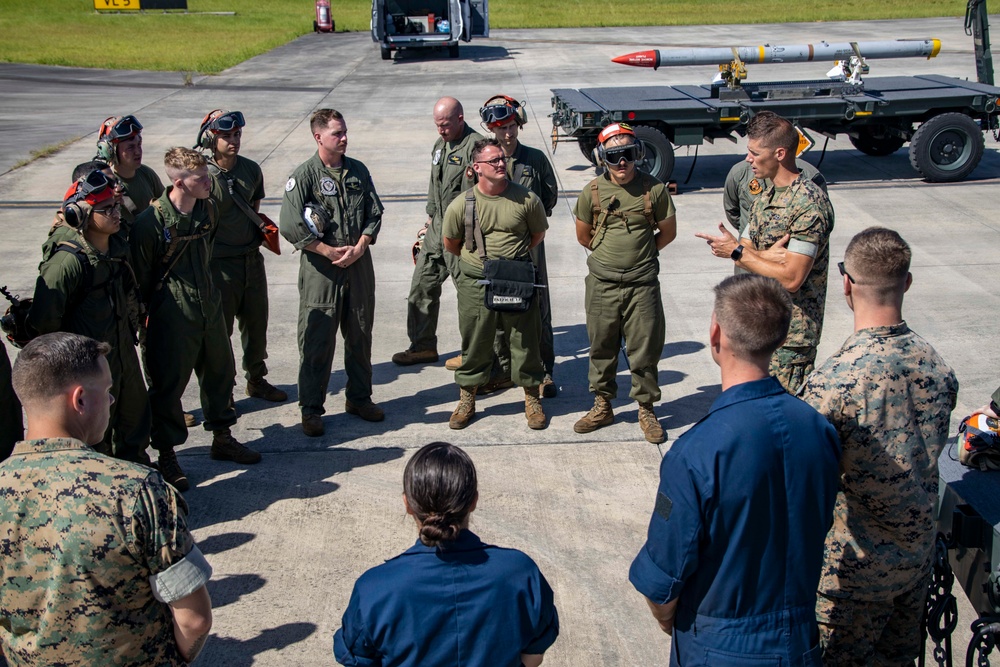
(93, 188)
(497, 113)
(127, 126)
(616, 154)
(227, 122)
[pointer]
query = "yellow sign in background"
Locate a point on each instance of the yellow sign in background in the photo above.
(116, 5)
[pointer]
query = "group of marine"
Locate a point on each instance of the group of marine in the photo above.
(170, 270)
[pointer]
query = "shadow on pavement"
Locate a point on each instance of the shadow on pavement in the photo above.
(240, 653)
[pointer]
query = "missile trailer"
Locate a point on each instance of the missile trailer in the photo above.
(943, 118)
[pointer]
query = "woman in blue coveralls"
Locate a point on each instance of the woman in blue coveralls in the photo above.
(449, 600)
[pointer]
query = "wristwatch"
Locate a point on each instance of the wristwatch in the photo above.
(737, 254)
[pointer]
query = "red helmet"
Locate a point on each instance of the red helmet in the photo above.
(499, 109)
(614, 130)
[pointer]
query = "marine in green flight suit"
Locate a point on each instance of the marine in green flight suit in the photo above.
(336, 274)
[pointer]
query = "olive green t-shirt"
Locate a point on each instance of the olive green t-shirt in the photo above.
(508, 220)
(140, 191)
(237, 233)
(627, 238)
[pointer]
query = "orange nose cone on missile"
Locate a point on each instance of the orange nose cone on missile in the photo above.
(639, 59)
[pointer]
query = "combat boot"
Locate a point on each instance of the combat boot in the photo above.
(465, 410)
(367, 411)
(600, 415)
(548, 387)
(454, 363)
(533, 409)
(412, 357)
(650, 425)
(171, 470)
(312, 425)
(261, 388)
(227, 448)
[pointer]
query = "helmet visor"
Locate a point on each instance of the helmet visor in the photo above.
(227, 122)
(126, 127)
(496, 113)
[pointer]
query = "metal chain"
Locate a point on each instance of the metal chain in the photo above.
(985, 634)
(941, 613)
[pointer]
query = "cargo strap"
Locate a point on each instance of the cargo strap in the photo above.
(174, 247)
(474, 240)
(238, 198)
(600, 214)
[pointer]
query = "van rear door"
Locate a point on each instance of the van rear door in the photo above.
(378, 20)
(479, 11)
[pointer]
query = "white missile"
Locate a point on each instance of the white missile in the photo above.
(796, 53)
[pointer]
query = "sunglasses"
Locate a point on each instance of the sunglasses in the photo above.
(843, 272)
(496, 113)
(124, 128)
(228, 122)
(619, 153)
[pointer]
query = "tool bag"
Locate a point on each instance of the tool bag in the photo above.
(510, 283)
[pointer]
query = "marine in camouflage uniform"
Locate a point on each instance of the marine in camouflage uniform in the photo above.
(451, 159)
(742, 189)
(333, 296)
(97, 301)
(803, 211)
(94, 550)
(890, 396)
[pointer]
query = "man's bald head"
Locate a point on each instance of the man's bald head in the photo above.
(449, 118)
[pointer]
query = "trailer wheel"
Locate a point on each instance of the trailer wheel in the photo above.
(659, 160)
(876, 141)
(587, 145)
(453, 51)
(948, 147)
(386, 53)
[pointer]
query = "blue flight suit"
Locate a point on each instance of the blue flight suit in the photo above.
(466, 605)
(744, 504)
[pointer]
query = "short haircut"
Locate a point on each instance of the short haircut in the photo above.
(85, 168)
(754, 312)
(773, 131)
(878, 258)
(322, 117)
(51, 363)
(179, 160)
(482, 145)
(440, 485)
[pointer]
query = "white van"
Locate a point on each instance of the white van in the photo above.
(422, 24)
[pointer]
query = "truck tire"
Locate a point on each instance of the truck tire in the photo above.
(659, 160)
(946, 148)
(875, 140)
(453, 51)
(587, 145)
(386, 53)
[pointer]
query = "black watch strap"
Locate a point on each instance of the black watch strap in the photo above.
(737, 253)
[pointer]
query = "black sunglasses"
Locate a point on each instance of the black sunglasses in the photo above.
(124, 128)
(227, 122)
(843, 272)
(496, 113)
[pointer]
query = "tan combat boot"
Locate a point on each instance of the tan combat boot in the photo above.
(650, 425)
(533, 409)
(465, 410)
(599, 415)
(454, 363)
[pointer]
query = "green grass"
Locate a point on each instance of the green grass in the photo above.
(70, 32)
(46, 151)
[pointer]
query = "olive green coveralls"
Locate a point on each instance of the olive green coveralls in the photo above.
(94, 302)
(449, 162)
(332, 298)
(185, 328)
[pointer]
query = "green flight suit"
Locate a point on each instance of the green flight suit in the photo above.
(11, 419)
(185, 329)
(532, 169)
(93, 300)
(508, 221)
(449, 162)
(332, 298)
(237, 263)
(139, 191)
(622, 287)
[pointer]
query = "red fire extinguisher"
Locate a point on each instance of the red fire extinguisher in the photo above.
(324, 21)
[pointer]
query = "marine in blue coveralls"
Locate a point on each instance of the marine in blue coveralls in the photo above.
(732, 561)
(450, 599)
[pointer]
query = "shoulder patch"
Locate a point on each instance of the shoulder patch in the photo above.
(755, 187)
(290, 185)
(664, 506)
(437, 156)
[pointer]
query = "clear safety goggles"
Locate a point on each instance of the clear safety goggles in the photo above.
(227, 122)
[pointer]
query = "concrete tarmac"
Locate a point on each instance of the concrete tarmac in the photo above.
(288, 537)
